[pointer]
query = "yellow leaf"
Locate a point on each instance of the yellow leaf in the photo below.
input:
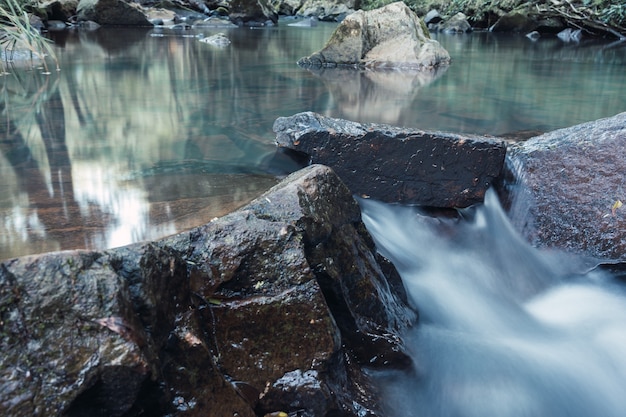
(615, 206)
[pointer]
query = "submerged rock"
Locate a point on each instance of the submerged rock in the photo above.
(390, 37)
(277, 307)
(393, 164)
(566, 188)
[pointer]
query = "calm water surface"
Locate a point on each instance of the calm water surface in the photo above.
(144, 133)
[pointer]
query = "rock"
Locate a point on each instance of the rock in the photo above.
(565, 187)
(307, 22)
(220, 40)
(286, 7)
(326, 10)
(54, 25)
(160, 17)
(276, 307)
(59, 10)
(432, 16)
(392, 164)
(252, 13)
(456, 24)
(213, 22)
(533, 36)
(570, 35)
(516, 22)
(389, 37)
(112, 12)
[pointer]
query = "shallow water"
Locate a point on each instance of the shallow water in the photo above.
(505, 330)
(144, 133)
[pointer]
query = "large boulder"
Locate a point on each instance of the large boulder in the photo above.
(112, 13)
(390, 37)
(566, 188)
(277, 307)
(394, 164)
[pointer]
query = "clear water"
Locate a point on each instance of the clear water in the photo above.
(144, 133)
(505, 330)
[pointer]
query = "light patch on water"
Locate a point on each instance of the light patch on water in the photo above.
(505, 330)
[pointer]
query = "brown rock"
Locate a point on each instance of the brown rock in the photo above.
(276, 307)
(397, 165)
(566, 187)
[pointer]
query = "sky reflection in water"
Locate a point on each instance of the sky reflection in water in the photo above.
(145, 133)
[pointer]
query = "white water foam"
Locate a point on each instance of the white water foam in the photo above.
(505, 330)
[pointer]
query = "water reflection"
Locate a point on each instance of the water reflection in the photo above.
(380, 95)
(144, 133)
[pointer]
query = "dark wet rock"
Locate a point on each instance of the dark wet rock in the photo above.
(61, 10)
(112, 13)
(566, 187)
(393, 164)
(456, 24)
(390, 37)
(252, 13)
(276, 307)
(515, 22)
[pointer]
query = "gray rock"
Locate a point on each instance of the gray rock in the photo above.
(534, 35)
(456, 24)
(432, 16)
(307, 22)
(275, 307)
(390, 37)
(326, 10)
(566, 186)
(220, 40)
(213, 22)
(392, 164)
(112, 12)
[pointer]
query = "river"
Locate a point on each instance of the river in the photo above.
(144, 133)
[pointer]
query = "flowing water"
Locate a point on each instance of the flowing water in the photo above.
(505, 330)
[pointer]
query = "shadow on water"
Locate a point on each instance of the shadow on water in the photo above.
(506, 330)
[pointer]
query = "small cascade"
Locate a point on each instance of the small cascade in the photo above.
(505, 330)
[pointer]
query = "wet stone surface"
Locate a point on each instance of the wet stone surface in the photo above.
(278, 307)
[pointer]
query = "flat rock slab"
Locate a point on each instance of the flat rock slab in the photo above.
(394, 164)
(567, 186)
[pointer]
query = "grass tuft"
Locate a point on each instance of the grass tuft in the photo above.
(18, 36)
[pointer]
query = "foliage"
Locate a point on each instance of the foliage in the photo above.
(18, 34)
